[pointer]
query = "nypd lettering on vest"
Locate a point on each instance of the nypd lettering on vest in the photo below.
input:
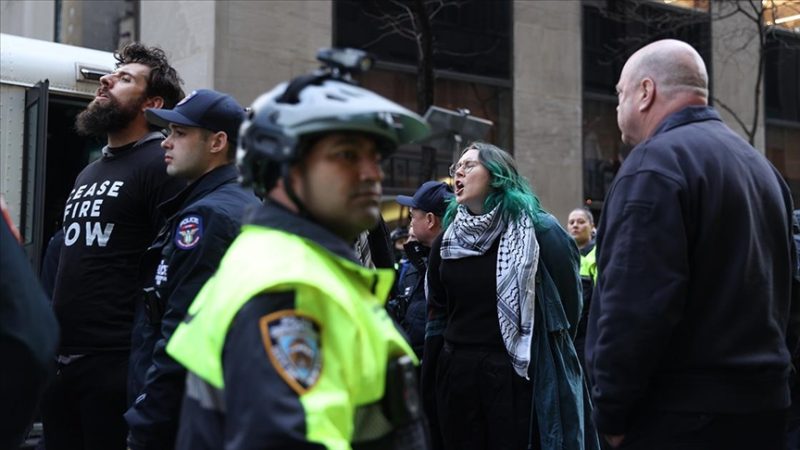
(189, 232)
(292, 342)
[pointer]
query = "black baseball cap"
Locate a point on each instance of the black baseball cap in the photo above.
(203, 108)
(432, 196)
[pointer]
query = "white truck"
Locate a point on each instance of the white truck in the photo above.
(43, 86)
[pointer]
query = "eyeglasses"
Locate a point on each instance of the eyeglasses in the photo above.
(466, 165)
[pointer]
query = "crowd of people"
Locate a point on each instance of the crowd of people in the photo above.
(231, 284)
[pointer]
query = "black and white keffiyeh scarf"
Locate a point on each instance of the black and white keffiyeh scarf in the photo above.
(517, 261)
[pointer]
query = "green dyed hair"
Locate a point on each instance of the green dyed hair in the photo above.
(509, 190)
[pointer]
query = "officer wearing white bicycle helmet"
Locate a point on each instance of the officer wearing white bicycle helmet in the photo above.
(288, 345)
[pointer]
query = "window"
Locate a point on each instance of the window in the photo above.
(469, 37)
(472, 69)
(612, 31)
(103, 25)
(782, 103)
(783, 14)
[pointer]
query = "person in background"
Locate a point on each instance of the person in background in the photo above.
(580, 225)
(694, 317)
(398, 237)
(425, 211)
(504, 299)
(110, 218)
(203, 219)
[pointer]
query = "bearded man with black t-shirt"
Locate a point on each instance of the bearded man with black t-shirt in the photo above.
(110, 218)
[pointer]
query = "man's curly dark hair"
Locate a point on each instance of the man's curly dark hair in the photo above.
(164, 81)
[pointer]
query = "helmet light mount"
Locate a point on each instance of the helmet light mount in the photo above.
(283, 121)
(343, 63)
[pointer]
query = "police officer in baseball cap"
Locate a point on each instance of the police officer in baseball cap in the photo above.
(203, 220)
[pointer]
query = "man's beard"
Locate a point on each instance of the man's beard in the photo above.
(101, 118)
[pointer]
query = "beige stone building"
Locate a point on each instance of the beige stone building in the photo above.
(552, 103)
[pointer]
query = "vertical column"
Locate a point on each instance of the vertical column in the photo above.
(547, 101)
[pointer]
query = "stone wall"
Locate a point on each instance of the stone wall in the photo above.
(547, 101)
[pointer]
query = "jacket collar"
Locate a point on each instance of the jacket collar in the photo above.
(201, 187)
(687, 115)
(273, 215)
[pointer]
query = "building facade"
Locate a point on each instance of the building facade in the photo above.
(542, 71)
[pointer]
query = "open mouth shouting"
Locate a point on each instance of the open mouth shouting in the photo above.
(459, 187)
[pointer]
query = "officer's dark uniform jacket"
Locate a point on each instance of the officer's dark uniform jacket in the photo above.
(204, 219)
(408, 306)
(289, 346)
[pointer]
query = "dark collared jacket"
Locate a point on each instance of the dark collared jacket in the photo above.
(408, 307)
(692, 307)
(203, 220)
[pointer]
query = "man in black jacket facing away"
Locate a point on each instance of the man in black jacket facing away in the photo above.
(203, 220)
(687, 344)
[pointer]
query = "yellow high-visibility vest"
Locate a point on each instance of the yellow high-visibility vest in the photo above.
(589, 265)
(347, 300)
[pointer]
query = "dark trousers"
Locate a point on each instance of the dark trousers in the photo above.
(482, 403)
(662, 430)
(82, 409)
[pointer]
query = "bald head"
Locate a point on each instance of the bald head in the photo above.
(659, 79)
(674, 65)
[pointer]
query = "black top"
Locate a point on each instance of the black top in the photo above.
(111, 216)
(692, 304)
(467, 288)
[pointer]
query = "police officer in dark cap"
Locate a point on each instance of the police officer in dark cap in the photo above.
(203, 220)
(425, 211)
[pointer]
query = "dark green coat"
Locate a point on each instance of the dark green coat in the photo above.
(563, 408)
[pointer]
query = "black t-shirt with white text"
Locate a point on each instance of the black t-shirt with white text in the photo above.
(110, 218)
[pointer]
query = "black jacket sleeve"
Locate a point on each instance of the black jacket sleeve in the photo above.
(153, 419)
(640, 295)
(28, 340)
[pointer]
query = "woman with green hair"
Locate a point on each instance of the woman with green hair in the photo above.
(504, 299)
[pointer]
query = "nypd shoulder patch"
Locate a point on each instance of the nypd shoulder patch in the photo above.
(189, 232)
(293, 343)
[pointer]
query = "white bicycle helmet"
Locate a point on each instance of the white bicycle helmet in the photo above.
(280, 121)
